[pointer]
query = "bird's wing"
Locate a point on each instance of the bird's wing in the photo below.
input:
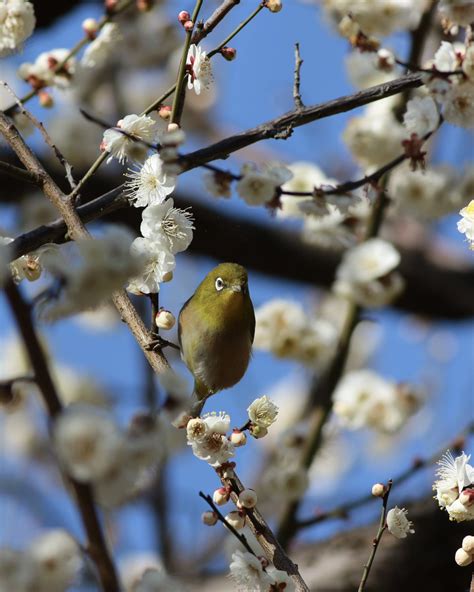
(252, 323)
(179, 321)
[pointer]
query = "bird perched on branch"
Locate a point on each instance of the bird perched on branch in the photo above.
(216, 330)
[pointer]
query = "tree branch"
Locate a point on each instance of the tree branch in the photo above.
(97, 546)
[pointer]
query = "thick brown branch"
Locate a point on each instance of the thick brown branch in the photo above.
(216, 17)
(97, 546)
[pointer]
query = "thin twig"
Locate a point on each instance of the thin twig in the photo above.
(237, 30)
(211, 23)
(297, 78)
(378, 538)
(239, 536)
(17, 173)
(97, 546)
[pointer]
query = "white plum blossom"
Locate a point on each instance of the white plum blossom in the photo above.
(263, 412)
(466, 224)
(329, 231)
(17, 22)
(98, 52)
(101, 266)
(199, 69)
(170, 226)
(421, 116)
(247, 572)
(445, 58)
(363, 69)
(281, 580)
(149, 184)
(398, 523)
(87, 442)
(258, 187)
(123, 146)
(366, 274)
(218, 184)
(58, 560)
(459, 104)
(455, 486)
(44, 71)
(365, 399)
(211, 443)
(159, 265)
(283, 328)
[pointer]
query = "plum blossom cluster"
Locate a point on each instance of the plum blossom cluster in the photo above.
(284, 329)
(364, 399)
(118, 463)
(98, 268)
(51, 68)
(465, 554)
(208, 435)
(250, 572)
(466, 224)
(455, 486)
(17, 22)
(398, 523)
(367, 274)
(50, 564)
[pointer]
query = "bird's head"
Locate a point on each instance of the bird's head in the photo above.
(224, 282)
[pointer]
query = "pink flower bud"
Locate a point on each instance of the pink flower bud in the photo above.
(209, 518)
(90, 27)
(466, 497)
(165, 319)
(229, 53)
(184, 17)
(45, 99)
(188, 26)
(238, 438)
(164, 112)
(220, 496)
(378, 490)
(248, 498)
(110, 5)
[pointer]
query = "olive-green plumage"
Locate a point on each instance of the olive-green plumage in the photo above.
(216, 330)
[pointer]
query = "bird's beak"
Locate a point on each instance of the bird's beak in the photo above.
(236, 288)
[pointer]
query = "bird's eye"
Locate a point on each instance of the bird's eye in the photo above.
(219, 284)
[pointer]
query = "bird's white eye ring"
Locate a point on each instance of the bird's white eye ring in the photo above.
(219, 284)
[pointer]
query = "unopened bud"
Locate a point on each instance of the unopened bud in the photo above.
(188, 26)
(274, 5)
(110, 5)
(220, 496)
(90, 27)
(236, 519)
(168, 276)
(209, 518)
(45, 99)
(247, 498)
(257, 431)
(173, 127)
(229, 53)
(184, 17)
(144, 5)
(165, 319)
(378, 490)
(164, 112)
(466, 497)
(462, 558)
(238, 438)
(468, 544)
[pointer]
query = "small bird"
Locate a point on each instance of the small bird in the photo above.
(216, 327)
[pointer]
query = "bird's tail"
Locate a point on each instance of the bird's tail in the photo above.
(198, 400)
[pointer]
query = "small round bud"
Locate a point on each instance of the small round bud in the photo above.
(468, 544)
(220, 496)
(248, 498)
(274, 5)
(165, 319)
(90, 27)
(462, 558)
(229, 53)
(238, 438)
(236, 519)
(466, 497)
(257, 431)
(209, 518)
(165, 112)
(168, 276)
(144, 5)
(173, 127)
(378, 490)
(184, 17)
(188, 26)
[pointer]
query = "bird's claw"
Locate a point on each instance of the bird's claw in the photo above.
(159, 342)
